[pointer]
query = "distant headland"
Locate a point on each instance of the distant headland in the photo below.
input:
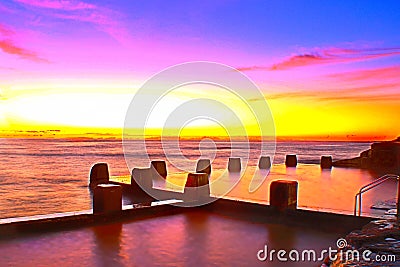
(381, 157)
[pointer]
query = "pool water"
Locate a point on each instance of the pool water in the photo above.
(195, 238)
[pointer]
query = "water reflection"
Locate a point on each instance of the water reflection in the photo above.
(196, 230)
(195, 238)
(281, 237)
(107, 249)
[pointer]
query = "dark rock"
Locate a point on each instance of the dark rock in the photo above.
(348, 163)
(382, 157)
(381, 237)
(386, 156)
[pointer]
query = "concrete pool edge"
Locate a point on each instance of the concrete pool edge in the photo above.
(246, 211)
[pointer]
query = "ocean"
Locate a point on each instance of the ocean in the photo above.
(43, 176)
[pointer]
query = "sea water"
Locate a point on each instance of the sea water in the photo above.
(42, 176)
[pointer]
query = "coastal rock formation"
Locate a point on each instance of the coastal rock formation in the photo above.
(381, 157)
(380, 237)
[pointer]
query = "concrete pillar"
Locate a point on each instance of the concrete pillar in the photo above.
(107, 198)
(283, 194)
(326, 162)
(160, 167)
(264, 162)
(291, 161)
(234, 165)
(204, 166)
(398, 199)
(99, 175)
(197, 187)
(141, 179)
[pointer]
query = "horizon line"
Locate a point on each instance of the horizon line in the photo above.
(58, 134)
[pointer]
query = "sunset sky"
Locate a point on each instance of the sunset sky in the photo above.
(328, 69)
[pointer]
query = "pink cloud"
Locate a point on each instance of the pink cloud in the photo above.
(327, 56)
(58, 4)
(378, 84)
(359, 93)
(7, 46)
(299, 61)
(392, 72)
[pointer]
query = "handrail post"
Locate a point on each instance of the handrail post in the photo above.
(359, 205)
(398, 198)
(355, 205)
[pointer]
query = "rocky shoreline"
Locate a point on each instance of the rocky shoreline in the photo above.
(383, 157)
(379, 240)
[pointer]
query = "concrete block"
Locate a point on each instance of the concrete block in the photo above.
(326, 162)
(197, 187)
(160, 167)
(107, 198)
(99, 174)
(291, 161)
(283, 194)
(264, 162)
(234, 165)
(204, 165)
(142, 179)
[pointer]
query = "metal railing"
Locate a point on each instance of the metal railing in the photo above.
(365, 188)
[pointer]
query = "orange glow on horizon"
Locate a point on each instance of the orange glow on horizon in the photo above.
(294, 119)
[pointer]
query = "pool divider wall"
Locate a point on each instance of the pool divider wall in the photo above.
(264, 162)
(99, 174)
(159, 167)
(107, 198)
(234, 165)
(326, 162)
(291, 160)
(283, 194)
(203, 165)
(197, 187)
